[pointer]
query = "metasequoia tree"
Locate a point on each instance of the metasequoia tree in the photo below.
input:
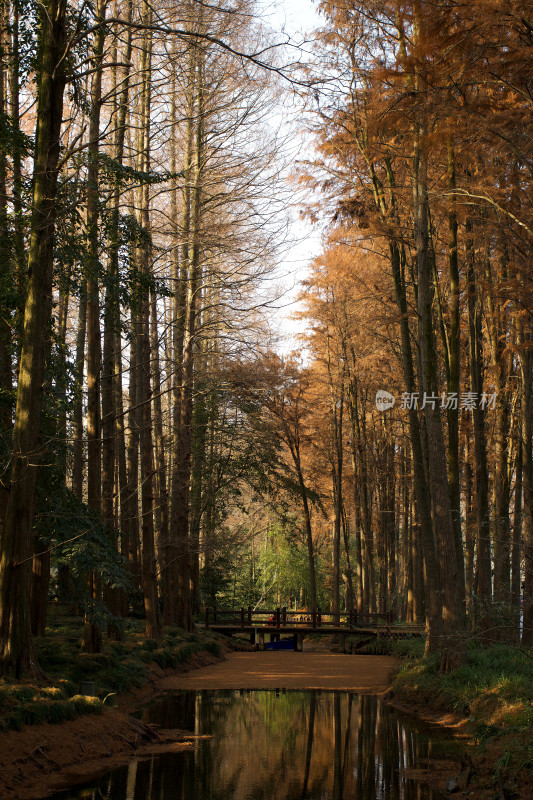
(413, 151)
(16, 649)
(92, 635)
(124, 164)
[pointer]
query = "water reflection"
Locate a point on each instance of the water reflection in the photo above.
(276, 745)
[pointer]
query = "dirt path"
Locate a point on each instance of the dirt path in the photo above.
(288, 670)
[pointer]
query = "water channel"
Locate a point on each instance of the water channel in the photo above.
(280, 745)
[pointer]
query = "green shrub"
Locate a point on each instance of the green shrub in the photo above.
(184, 653)
(213, 647)
(165, 659)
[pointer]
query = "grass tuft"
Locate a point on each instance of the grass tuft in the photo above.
(121, 666)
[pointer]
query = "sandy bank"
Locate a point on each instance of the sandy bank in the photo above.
(288, 670)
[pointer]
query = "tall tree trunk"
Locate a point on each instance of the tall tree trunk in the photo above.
(362, 489)
(6, 265)
(454, 369)
(313, 599)
(180, 272)
(198, 474)
(14, 80)
(162, 511)
(433, 606)
(469, 526)
(336, 422)
(179, 520)
(16, 647)
(350, 601)
(77, 414)
(112, 422)
(153, 627)
(392, 528)
(168, 549)
(131, 498)
(526, 369)
(452, 592)
(482, 586)
(500, 485)
(516, 549)
(92, 637)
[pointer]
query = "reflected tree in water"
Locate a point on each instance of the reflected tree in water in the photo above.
(277, 745)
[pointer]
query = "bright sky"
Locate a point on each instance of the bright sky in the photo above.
(296, 19)
(294, 16)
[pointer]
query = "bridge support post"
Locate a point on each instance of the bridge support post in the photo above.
(261, 640)
(253, 635)
(342, 642)
(298, 642)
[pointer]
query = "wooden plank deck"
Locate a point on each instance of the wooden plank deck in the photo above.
(306, 630)
(306, 623)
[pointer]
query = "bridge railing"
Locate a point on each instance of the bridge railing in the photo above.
(283, 617)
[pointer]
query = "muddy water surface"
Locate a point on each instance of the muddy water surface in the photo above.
(280, 745)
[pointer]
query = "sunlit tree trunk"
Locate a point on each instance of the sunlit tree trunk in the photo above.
(178, 284)
(77, 413)
(198, 471)
(180, 268)
(92, 637)
(179, 520)
(500, 486)
(112, 422)
(153, 627)
(162, 504)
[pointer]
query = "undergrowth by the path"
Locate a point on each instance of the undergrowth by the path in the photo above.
(122, 666)
(493, 689)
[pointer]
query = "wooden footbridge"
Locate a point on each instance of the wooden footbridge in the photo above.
(274, 624)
